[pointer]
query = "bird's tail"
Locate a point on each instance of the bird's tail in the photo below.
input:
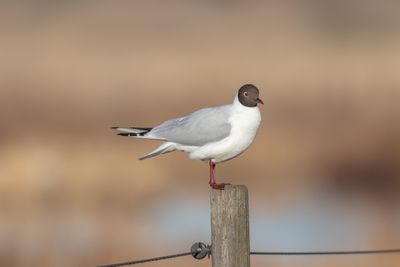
(164, 148)
(132, 131)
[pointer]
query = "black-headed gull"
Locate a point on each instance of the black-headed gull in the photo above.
(213, 135)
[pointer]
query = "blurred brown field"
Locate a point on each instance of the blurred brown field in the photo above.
(323, 173)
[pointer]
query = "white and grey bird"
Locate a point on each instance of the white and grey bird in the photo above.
(213, 135)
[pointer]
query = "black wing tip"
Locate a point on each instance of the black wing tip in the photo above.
(114, 127)
(142, 128)
(126, 134)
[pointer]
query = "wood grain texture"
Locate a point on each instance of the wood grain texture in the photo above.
(230, 227)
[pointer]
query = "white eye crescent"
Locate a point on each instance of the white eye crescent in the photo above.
(245, 94)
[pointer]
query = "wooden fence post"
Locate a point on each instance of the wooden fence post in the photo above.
(230, 242)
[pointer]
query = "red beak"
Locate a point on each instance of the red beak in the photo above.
(260, 101)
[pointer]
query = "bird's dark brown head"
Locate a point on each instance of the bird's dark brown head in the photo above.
(249, 96)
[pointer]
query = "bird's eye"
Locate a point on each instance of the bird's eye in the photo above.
(246, 94)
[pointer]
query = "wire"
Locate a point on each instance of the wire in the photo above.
(296, 253)
(147, 260)
(200, 250)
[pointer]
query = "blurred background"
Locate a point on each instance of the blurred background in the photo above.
(323, 173)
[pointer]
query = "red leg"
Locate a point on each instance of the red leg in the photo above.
(212, 177)
(212, 181)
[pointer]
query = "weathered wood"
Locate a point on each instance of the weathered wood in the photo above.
(230, 227)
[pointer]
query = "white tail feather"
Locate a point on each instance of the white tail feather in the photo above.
(131, 130)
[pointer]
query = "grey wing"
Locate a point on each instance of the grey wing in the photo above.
(197, 129)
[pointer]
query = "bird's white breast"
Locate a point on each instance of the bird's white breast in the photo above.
(245, 122)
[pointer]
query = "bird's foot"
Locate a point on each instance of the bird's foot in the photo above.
(220, 186)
